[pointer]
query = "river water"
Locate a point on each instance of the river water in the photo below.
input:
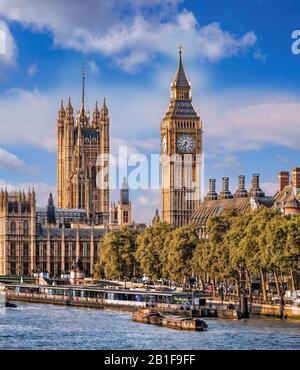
(39, 326)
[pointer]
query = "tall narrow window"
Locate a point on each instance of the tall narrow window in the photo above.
(25, 250)
(94, 177)
(13, 227)
(13, 250)
(25, 228)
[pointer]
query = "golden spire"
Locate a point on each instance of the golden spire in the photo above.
(69, 107)
(61, 112)
(104, 109)
(96, 114)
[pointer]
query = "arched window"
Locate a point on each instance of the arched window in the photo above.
(25, 228)
(13, 227)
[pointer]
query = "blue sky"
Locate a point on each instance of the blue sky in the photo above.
(245, 82)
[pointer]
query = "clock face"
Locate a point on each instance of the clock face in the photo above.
(185, 143)
(164, 144)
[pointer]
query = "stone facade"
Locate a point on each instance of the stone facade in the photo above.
(82, 159)
(27, 245)
(181, 153)
(287, 198)
(121, 211)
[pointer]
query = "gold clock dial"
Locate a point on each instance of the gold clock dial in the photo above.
(185, 143)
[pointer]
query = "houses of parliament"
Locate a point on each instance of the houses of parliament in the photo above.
(53, 239)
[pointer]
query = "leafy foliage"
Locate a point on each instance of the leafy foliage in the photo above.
(253, 243)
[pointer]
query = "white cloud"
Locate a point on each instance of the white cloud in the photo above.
(8, 48)
(259, 55)
(216, 44)
(28, 117)
(93, 67)
(131, 32)
(135, 43)
(233, 121)
(32, 70)
(143, 200)
(282, 158)
(144, 205)
(269, 188)
(10, 161)
(228, 161)
(130, 63)
(253, 126)
(42, 190)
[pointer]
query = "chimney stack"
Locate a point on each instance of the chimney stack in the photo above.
(256, 190)
(241, 191)
(283, 180)
(225, 193)
(212, 195)
(296, 177)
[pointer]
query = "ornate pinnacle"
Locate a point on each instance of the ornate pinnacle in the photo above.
(61, 112)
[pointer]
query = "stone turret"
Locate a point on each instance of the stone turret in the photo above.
(256, 190)
(61, 114)
(124, 192)
(69, 111)
(96, 116)
(212, 194)
(51, 220)
(241, 191)
(225, 193)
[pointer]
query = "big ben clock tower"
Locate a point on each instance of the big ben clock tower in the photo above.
(181, 153)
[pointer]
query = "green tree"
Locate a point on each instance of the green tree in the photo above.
(117, 254)
(272, 250)
(235, 265)
(291, 255)
(178, 252)
(217, 247)
(200, 261)
(150, 249)
(254, 244)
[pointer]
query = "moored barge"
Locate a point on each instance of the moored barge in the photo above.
(152, 316)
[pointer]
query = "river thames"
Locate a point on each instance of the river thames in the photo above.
(39, 326)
